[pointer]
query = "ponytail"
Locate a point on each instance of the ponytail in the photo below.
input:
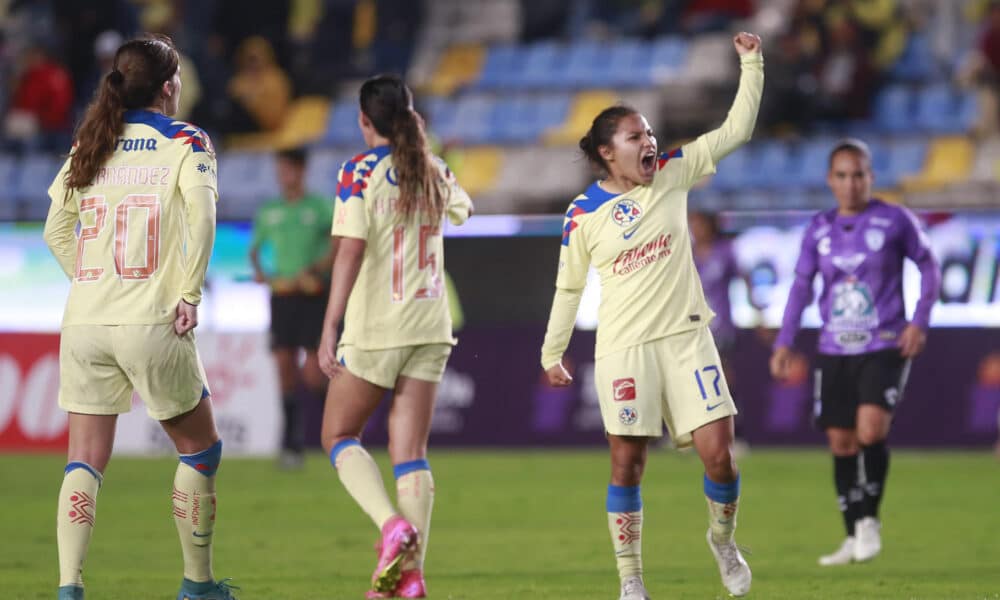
(98, 132)
(420, 183)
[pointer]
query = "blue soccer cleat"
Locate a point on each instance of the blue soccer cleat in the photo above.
(207, 590)
(70, 592)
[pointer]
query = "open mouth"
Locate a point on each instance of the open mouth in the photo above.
(649, 162)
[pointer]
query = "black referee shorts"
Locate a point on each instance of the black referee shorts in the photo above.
(842, 383)
(297, 321)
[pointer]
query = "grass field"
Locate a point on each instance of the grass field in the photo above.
(526, 524)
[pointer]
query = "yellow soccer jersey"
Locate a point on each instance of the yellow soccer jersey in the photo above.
(639, 242)
(129, 264)
(399, 297)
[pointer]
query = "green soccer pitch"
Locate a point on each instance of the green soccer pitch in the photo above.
(519, 524)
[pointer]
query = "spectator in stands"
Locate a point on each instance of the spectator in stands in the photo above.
(866, 344)
(40, 115)
(702, 16)
(260, 89)
(296, 227)
(981, 68)
(791, 87)
(846, 75)
(656, 362)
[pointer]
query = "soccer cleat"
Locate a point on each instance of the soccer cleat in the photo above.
(633, 589)
(210, 590)
(734, 570)
(70, 592)
(398, 538)
(868, 539)
(841, 556)
(411, 585)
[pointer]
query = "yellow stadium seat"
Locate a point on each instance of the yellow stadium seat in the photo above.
(304, 124)
(585, 107)
(479, 168)
(949, 160)
(459, 65)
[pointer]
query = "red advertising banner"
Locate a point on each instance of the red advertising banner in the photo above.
(30, 417)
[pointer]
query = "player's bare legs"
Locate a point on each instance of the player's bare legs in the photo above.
(873, 423)
(91, 438)
(714, 443)
(624, 508)
(409, 428)
(350, 401)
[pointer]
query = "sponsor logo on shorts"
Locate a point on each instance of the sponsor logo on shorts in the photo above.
(891, 396)
(624, 389)
(853, 340)
(628, 415)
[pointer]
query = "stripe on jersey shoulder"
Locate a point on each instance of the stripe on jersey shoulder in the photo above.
(594, 198)
(191, 135)
(355, 172)
(665, 157)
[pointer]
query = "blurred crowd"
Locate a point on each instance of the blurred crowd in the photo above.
(244, 62)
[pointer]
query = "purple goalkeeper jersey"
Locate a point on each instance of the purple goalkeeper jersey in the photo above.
(716, 269)
(860, 259)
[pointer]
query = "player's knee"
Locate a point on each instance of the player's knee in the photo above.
(720, 464)
(205, 462)
(870, 435)
(330, 440)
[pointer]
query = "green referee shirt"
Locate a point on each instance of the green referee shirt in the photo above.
(298, 232)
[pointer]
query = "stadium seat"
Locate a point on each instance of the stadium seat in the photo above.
(471, 120)
(904, 158)
(479, 169)
(586, 65)
(949, 160)
(8, 204)
(581, 114)
(937, 109)
(733, 172)
(917, 63)
(501, 67)
(459, 65)
(342, 125)
(36, 172)
(543, 63)
(323, 167)
(894, 108)
(668, 56)
(628, 63)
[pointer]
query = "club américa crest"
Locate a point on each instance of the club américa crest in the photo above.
(626, 212)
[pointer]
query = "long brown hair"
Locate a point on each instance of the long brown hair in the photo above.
(140, 68)
(601, 131)
(388, 104)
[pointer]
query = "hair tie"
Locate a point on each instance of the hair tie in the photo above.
(116, 77)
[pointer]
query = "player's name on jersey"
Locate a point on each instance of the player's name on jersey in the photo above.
(130, 175)
(135, 144)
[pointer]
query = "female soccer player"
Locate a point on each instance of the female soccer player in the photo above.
(387, 285)
(656, 361)
(142, 189)
(866, 344)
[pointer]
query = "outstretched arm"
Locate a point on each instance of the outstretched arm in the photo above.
(738, 126)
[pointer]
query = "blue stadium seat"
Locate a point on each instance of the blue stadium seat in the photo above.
(771, 163)
(917, 63)
(904, 157)
(812, 164)
(8, 204)
(543, 63)
(471, 121)
(585, 66)
(937, 109)
(894, 109)
(323, 167)
(628, 64)
(502, 67)
(667, 58)
(32, 183)
(732, 172)
(342, 126)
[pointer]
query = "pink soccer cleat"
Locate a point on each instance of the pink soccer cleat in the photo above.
(398, 538)
(411, 585)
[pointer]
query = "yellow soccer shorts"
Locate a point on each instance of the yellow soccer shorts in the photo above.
(675, 380)
(382, 367)
(101, 365)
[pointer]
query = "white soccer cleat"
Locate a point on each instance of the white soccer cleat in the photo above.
(632, 589)
(734, 570)
(868, 542)
(841, 556)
